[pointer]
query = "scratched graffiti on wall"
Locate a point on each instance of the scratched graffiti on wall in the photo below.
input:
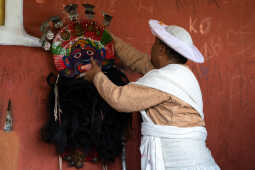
(241, 42)
(110, 6)
(1, 112)
(11, 79)
(201, 26)
(145, 6)
(210, 45)
(213, 41)
(7, 76)
(40, 1)
(195, 4)
(247, 80)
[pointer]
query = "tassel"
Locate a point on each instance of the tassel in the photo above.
(56, 107)
(57, 112)
(105, 167)
(60, 162)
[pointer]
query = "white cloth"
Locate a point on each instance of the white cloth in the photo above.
(170, 147)
(177, 80)
(174, 148)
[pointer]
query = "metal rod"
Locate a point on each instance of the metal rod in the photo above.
(123, 156)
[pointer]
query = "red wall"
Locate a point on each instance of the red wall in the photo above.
(223, 30)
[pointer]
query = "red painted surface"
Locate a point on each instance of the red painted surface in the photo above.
(223, 30)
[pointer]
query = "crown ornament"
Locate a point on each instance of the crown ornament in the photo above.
(74, 42)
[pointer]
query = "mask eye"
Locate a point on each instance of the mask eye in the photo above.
(77, 55)
(90, 52)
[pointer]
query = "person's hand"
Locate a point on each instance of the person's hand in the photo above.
(90, 74)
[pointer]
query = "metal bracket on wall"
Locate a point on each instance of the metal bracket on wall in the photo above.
(13, 32)
(8, 126)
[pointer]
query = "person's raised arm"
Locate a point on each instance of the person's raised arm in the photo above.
(131, 57)
(128, 98)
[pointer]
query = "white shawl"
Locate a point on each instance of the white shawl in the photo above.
(179, 81)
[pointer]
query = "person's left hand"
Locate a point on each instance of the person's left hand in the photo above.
(90, 74)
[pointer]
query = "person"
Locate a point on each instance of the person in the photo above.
(168, 97)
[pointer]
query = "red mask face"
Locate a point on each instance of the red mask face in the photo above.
(76, 43)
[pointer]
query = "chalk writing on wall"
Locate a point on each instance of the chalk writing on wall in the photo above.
(202, 26)
(246, 83)
(142, 6)
(195, 4)
(212, 47)
(40, 1)
(239, 41)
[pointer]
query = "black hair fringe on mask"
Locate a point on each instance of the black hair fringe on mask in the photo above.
(88, 123)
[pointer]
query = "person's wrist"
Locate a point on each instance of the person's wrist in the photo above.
(95, 75)
(96, 72)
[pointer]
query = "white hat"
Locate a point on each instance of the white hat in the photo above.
(176, 38)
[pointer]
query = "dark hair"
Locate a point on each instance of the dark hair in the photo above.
(172, 54)
(87, 124)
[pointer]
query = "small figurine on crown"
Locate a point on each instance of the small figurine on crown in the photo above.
(81, 125)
